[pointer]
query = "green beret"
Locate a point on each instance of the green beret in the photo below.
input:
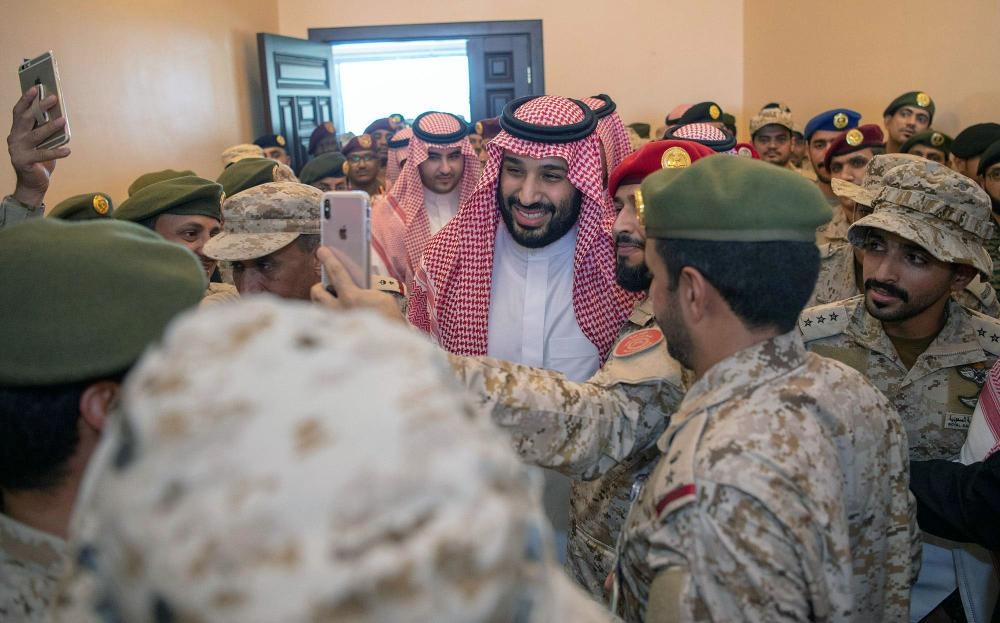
(250, 172)
(82, 300)
(721, 198)
(83, 207)
(180, 195)
(146, 179)
(931, 138)
(330, 164)
(912, 98)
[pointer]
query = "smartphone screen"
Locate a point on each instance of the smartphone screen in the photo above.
(43, 73)
(345, 228)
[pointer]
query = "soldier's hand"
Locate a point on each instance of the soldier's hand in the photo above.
(33, 166)
(345, 294)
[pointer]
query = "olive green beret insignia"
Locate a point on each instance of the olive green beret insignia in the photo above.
(854, 137)
(923, 100)
(714, 112)
(181, 195)
(280, 140)
(675, 158)
(83, 207)
(840, 121)
(937, 139)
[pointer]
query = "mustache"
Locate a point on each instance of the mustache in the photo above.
(624, 238)
(512, 203)
(888, 288)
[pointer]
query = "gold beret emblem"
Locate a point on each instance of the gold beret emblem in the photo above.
(329, 127)
(923, 100)
(395, 121)
(365, 141)
(855, 137)
(100, 204)
(675, 158)
(345, 167)
(479, 128)
(640, 208)
(937, 139)
(222, 198)
(714, 112)
(840, 121)
(279, 139)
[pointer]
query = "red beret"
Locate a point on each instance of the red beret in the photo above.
(358, 143)
(855, 139)
(654, 156)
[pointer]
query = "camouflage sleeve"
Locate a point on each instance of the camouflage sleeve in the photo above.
(579, 429)
(13, 212)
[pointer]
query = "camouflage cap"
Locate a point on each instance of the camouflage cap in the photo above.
(179, 195)
(241, 151)
(330, 164)
(251, 172)
(85, 207)
(84, 299)
(264, 219)
(927, 203)
(206, 502)
(931, 138)
(771, 115)
(877, 167)
(153, 177)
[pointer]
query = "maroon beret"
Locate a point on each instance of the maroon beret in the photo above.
(855, 139)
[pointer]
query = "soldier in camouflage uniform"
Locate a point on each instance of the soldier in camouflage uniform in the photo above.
(733, 523)
(258, 473)
(599, 432)
(65, 347)
(926, 352)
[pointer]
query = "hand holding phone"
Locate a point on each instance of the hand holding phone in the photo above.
(345, 228)
(42, 73)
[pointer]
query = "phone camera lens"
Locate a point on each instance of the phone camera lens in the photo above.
(326, 208)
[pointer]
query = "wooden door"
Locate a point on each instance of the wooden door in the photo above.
(499, 71)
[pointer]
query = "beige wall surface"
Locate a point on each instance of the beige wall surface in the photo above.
(649, 55)
(860, 54)
(148, 85)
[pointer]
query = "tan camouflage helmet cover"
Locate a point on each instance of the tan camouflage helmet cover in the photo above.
(875, 171)
(773, 115)
(241, 151)
(927, 203)
(259, 473)
(264, 219)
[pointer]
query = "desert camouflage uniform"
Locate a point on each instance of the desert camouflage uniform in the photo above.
(836, 230)
(936, 397)
(258, 473)
(31, 562)
(13, 212)
(736, 508)
(836, 282)
(993, 248)
(600, 432)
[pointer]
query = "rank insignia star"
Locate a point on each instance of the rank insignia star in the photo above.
(821, 319)
(833, 316)
(808, 322)
(982, 332)
(994, 337)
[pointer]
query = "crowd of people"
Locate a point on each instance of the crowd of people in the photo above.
(759, 378)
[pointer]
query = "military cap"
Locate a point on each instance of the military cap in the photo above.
(642, 129)
(82, 300)
(271, 140)
(771, 114)
(264, 219)
(85, 207)
(361, 142)
(836, 120)
(180, 195)
(488, 128)
(213, 493)
(704, 133)
(874, 172)
(665, 154)
(322, 131)
(702, 112)
(390, 124)
(146, 179)
(251, 172)
(733, 200)
(974, 140)
(918, 99)
(674, 116)
(989, 158)
(330, 164)
(941, 210)
(931, 138)
(855, 139)
(241, 151)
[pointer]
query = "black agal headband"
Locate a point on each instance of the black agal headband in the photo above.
(608, 108)
(440, 139)
(547, 133)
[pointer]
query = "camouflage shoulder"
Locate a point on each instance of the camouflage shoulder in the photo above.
(987, 330)
(827, 320)
(219, 293)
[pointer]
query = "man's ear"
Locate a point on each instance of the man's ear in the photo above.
(97, 401)
(964, 274)
(693, 293)
(885, 120)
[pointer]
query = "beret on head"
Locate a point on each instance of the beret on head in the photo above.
(322, 131)
(931, 138)
(651, 157)
(251, 172)
(733, 200)
(110, 288)
(855, 139)
(989, 158)
(153, 177)
(702, 112)
(330, 164)
(181, 195)
(362, 142)
(836, 120)
(271, 140)
(83, 207)
(974, 140)
(390, 124)
(919, 99)
(488, 128)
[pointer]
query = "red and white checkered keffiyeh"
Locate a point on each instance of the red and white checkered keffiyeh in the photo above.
(611, 130)
(396, 155)
(400, 238)
(699, 133)
(450, 298)
(983, 438)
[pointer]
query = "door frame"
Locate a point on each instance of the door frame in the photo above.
(450, 30)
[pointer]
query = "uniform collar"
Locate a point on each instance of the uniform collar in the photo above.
(25, 544)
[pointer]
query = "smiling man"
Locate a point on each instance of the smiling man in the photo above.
(439, 172)
(905, 116)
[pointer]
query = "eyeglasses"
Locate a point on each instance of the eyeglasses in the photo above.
(365, 158)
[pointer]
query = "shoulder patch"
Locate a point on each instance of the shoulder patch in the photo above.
(824, 320)
(638, 342)
(987, 330)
